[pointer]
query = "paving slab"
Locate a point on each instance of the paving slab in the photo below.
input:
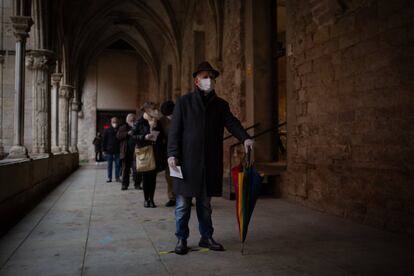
(89, 227)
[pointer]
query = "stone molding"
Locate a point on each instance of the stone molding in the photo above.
(56, 77)
(75, 105)
(21, 26)
(40, 59)
(66, 91)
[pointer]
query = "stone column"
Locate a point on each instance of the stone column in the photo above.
(261, 93)
(65, 93)
(39, 61)
(74, 125)
(21, 27)
(56, 77)
(1, 106)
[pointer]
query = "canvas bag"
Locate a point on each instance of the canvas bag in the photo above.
(145, 159)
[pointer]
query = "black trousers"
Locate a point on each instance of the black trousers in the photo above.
(136, 175)
(125, 170)
(98, 156)
(128, 164)
(149, 181)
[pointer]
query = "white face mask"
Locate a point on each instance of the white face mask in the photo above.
(206, 85)
(114, 125)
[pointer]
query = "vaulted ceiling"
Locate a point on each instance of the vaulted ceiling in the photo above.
(150, 26)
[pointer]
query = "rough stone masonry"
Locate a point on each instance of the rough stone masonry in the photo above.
(350, 110)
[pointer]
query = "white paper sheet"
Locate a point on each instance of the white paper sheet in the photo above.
(155, 134)
(176, 172)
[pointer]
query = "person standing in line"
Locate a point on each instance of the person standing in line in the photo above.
(167, 109)
(144, 135)
(97, 142)
(127, 148)
(195, 142)
(111, 149)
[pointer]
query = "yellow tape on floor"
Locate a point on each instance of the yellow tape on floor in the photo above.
(192, 250)
(156, 220)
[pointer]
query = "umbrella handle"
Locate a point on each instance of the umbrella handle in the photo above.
(249, 161)
(246, 162)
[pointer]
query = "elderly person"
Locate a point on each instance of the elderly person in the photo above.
(111, 149)
(195, 142)
(127, 148)
(143, 133)
(97, 142)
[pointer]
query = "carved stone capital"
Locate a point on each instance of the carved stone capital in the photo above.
(21, 26)
(66, 91)
(75, 106)
(40, 59)
(56, 77)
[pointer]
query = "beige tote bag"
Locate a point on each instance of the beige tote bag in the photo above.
(145, 158)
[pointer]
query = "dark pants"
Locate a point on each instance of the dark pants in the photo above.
(98, 156)
(149, 181)
(136, 175)
(126, 169)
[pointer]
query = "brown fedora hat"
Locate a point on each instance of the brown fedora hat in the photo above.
(205, 66)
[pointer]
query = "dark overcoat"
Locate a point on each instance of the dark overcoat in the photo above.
(110, 142)
(123, 138)
(195, 138)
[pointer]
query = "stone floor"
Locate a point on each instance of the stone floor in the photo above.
(89, 227)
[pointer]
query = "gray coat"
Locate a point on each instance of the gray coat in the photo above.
(196, 140)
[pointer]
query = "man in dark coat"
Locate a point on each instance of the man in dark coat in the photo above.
(195, 143)
(111, 149)
(127, 149)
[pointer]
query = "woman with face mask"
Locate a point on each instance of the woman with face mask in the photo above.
(147, 133)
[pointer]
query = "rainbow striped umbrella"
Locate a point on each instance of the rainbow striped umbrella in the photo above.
(247, 185)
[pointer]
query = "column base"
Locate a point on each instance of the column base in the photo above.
(17, 152)
(40, 155)
(56, 150)
(2, 153)
(73, 149)
(64, 150)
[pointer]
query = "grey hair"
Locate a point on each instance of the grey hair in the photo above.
(129, 116)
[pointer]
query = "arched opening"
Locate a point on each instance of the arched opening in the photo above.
(116, 82)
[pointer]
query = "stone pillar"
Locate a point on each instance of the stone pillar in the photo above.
(21, 27)
(39, 61)
(74, 125)
(65, 93)
(1, 106)
(261, 93)
(56, 77)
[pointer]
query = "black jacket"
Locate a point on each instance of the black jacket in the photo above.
(97, 142)
(142, 128)
(196, 140)
(110, 142)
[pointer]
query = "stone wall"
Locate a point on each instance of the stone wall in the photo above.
(24, 182)
(350, 110)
